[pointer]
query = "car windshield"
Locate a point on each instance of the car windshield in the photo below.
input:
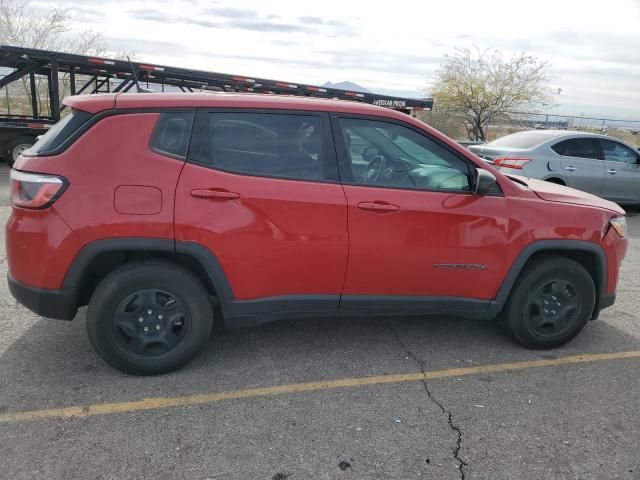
(521, 140)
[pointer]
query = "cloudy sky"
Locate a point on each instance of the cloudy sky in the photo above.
(392, 47)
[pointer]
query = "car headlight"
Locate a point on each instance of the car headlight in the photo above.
(619, 224)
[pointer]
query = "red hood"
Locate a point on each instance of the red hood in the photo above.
(559, 193)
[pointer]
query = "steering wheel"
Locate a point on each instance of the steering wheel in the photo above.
(402, 169)
(373, 170)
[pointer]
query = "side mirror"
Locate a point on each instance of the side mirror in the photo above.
(484, 182)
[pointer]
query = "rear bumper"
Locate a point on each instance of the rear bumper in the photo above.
(57, 304)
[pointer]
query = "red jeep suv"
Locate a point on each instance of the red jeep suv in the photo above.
(156, 210)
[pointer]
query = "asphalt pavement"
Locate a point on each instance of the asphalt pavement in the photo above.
(366, 398)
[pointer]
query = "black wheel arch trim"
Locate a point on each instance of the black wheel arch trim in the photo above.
(209, 262)
(91, 250)
(538, 246)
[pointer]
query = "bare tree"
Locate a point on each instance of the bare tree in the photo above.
(482, 85)
(24, 24)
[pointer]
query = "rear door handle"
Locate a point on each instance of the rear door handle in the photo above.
(378, 207)
(570, 168)
(611, 171)
(214, 194)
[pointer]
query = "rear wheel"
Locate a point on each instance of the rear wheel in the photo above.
(551, 303)
(15, 148)
(149, 318)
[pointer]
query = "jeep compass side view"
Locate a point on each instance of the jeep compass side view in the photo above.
(159, 211)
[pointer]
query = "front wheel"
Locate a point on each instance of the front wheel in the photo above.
(551, 303)
(149, 318)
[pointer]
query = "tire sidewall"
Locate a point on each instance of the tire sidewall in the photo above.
(517, 315)
(15, 143)
(117, 286)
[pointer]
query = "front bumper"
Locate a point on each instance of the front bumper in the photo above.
(606, 300)
(57, 304)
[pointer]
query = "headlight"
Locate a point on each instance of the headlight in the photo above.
(619, 224)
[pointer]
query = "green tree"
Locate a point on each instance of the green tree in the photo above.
(481, 86)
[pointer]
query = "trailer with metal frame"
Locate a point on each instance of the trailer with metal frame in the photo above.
(88, 75)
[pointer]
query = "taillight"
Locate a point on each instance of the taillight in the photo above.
(35, 190)
(512, 162)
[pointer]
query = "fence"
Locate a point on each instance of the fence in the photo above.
(452, 124)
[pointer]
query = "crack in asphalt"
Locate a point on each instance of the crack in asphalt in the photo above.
(453, 426)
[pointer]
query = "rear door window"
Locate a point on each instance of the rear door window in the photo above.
(265, 144)
(579, 147)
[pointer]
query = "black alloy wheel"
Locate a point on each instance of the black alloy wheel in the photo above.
(150, 323)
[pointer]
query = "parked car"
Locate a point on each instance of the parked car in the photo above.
(158, 209)
(597, 164)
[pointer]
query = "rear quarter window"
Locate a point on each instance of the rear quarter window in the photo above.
(52, 141)
(558, 148)
(172, 133)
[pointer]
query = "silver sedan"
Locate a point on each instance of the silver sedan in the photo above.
(597, 164)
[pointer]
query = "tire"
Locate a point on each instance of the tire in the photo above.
(570, 294)
(15, 147)
(148, 318)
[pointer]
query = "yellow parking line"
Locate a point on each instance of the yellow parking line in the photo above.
(198, 399)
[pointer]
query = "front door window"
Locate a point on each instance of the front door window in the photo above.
(385, 154)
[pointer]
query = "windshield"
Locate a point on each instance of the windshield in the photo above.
(521, 140)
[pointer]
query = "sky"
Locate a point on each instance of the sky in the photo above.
(388, 47)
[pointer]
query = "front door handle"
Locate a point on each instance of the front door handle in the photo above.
(611, 171)
(381, 207)
(570, 168)
(214, 194)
